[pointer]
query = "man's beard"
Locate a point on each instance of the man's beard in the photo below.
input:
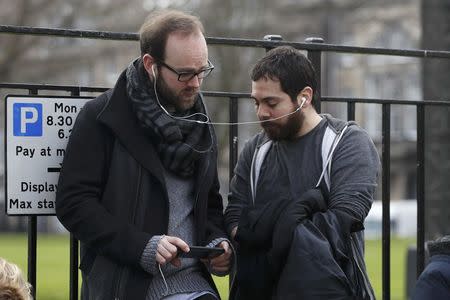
(169, 97)
(286, 131)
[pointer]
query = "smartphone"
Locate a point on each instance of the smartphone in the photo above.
(201, 252)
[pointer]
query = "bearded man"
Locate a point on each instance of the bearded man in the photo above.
(300, 193)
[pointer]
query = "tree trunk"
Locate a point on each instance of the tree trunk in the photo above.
(436, 86)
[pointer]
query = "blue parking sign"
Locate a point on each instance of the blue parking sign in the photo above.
(27, 119)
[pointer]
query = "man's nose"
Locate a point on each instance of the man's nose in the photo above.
(262, 112)
(195, 81)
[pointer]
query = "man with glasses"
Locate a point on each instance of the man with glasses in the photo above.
(139, 180)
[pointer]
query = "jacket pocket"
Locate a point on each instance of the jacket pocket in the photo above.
(99, 278)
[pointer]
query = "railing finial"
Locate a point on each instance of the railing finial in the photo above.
(314, 39)
(273, 37)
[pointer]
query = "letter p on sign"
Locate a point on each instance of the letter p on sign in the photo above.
(27, 119)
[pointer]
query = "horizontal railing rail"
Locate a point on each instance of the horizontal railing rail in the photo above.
(254, 43)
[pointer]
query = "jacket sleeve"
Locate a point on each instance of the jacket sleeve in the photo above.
(354, 174)
(240, 194)
(80, 189)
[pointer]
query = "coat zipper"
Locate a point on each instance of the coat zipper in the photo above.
(136, 200)
(198, 190)
(118, 279)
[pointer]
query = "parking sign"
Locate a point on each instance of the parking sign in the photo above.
(37, 129)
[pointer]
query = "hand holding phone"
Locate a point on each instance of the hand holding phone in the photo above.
(201, 252)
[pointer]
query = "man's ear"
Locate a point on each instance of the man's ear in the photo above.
(149, 64)
(305, 96)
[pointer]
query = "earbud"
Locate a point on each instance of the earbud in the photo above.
(300, 107)
(303, 102)
(153, 71)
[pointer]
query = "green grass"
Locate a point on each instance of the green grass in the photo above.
(52, 277)
(398, 266)
(53, 264)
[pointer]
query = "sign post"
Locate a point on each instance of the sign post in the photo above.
(37, 131)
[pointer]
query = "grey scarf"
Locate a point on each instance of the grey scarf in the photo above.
(180, 142)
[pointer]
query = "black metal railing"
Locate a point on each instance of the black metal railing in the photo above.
(314, 47)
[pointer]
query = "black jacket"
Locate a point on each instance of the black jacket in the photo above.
(332, 266)
(264, 239)
(434, 282)
(112, 196)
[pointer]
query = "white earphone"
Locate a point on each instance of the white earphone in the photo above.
(298, 108)
(153, 71)
(303, 102)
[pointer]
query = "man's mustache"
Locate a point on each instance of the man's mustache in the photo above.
(191, 90)
(267, 123)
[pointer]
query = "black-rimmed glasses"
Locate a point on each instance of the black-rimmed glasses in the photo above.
(187, 76)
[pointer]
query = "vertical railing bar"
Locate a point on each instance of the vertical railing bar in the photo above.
(32, 241)
(73, 277)
(32, 253)
(233, 135)
(73, 272)
(386, 222)
(33, 91)
(420, 189)
(351, 111)
(315, 56)
(233, 152)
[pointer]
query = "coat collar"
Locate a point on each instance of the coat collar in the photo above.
(119, 116)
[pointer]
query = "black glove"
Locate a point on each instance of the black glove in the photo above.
(256, 224)
(310, 202)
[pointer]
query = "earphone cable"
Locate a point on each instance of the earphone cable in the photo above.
(184, 118)
(208, 120)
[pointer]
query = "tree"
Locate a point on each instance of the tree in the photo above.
(436, 36)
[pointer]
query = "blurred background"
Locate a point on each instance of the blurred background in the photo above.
(401, 24)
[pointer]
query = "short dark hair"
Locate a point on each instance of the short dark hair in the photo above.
(160, 24)
(289, 66)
